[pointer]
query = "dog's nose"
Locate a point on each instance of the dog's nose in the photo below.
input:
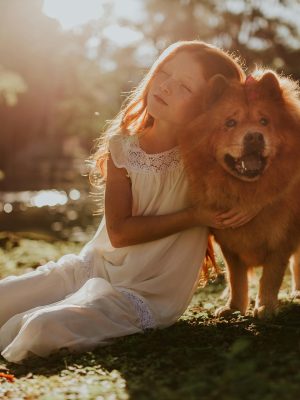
(254, 141)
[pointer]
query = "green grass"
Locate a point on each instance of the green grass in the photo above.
(199, 357)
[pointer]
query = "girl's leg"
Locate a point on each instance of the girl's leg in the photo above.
(92, 316)
(47, 284)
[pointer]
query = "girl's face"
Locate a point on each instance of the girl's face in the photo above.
(176, 89)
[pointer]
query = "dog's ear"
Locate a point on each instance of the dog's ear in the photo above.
(214, 90)
(270, 85)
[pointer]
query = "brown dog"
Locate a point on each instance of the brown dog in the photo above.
(244, 150)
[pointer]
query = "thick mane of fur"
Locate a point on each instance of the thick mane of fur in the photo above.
(221, 187)
(290, 90)
(276, 189)
(244, 153)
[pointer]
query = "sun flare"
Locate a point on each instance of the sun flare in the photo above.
(72, 13)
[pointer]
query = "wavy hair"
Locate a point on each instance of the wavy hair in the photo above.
(133, 117)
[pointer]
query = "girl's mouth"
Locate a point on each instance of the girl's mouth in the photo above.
(160, 100)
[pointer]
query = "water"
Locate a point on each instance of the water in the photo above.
(63, 214)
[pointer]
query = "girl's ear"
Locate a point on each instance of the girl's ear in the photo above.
(215, 88)
(269, 85)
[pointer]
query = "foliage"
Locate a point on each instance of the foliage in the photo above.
(11, 85)
(198, 357)
(76, 80)
(260, 32)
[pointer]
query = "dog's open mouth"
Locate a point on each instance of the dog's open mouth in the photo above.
(248, 166)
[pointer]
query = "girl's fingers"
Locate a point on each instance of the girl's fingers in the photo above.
(231, 224)
(241, 222)
(233, 218)
(218, 226)
(237, 220)
(235, 213)
(232, 221)
(226, 214)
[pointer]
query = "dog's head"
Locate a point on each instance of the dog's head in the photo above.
(245, 126)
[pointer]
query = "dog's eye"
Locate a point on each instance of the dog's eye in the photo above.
(231, 123)
(264, 121)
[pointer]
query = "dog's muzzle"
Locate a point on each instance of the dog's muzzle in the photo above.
(252, 162)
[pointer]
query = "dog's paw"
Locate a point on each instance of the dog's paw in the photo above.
(226, 312)
(265, 312)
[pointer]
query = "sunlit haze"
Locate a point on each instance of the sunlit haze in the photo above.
(72, 13)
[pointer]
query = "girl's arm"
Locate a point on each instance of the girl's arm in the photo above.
(125, 230)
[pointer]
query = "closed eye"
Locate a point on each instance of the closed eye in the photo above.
(187, 88)
(165, 73)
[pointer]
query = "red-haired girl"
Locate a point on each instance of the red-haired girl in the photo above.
(142, 267)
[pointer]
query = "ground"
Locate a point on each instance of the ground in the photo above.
(200, 357)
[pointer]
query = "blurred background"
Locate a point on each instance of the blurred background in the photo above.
(67, 65)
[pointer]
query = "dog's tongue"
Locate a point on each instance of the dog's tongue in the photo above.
(251, 162)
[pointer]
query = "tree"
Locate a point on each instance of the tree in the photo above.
(261, 32)
(11, 86)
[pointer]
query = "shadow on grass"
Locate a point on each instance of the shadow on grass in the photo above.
(201, 357)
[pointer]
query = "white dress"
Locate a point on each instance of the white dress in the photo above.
(85, 300)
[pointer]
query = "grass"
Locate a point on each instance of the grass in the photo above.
(199, 357)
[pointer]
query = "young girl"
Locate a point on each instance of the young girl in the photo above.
(142, 267)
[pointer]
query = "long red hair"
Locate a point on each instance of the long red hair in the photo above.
(133, 117)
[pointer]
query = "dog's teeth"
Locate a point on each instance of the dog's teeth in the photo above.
(243, 166)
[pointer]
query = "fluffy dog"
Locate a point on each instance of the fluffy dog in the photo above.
(244, 150)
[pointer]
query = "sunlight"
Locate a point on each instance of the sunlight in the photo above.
(123, 36)
(74, 194)
(7, 208)
(71, 13)
(49, 198)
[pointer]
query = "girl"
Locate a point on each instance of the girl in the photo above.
(141, 268)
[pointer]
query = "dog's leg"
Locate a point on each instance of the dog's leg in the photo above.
(238, 287)
(267, 299)
(295, 270)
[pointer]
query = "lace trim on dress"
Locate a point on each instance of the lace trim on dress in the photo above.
(139, 160)
(145, 316)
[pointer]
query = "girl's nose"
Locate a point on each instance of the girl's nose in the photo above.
(166, 87)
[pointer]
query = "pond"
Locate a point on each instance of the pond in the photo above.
(62, 214)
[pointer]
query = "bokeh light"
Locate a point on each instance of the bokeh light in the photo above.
(49, 198)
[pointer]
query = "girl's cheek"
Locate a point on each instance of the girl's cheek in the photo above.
(188, 112)
(186, 106)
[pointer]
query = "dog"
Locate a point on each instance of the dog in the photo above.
(244, 150)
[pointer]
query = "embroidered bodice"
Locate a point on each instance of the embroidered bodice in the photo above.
(138, 160)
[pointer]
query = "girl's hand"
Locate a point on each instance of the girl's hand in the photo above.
(206, 217)
(233, 218)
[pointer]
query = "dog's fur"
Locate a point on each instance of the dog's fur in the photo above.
(254, 161)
